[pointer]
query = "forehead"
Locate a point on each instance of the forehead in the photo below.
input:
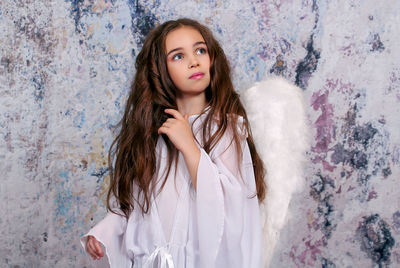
(182, 37)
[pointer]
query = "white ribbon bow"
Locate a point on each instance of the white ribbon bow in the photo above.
(160, 256)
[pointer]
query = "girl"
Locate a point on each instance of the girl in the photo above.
(187, 180)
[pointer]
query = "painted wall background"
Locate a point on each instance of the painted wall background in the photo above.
(65, 69)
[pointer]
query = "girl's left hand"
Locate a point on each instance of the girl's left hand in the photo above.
(178, 131)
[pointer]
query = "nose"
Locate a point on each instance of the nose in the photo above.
(193, 62)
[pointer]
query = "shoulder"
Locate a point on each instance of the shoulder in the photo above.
(238, 122)
(234, 121)
(227, 144)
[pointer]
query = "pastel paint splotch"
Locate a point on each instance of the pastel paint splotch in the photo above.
(324, 124)
(308, 65)
(375, 239)
(143, 19)
(322, 191)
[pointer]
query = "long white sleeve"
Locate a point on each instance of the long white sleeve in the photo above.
(110, 232)
(227, 210)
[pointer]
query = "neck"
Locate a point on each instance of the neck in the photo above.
(191, 104)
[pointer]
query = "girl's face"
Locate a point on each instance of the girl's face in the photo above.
(188, 62)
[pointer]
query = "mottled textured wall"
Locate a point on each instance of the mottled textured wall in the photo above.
(64, 74)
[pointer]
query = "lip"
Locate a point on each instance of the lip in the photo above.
(197, 76)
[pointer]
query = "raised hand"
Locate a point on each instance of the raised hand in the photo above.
(178, 131)
(93, 247)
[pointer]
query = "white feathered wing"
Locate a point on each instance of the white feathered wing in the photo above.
(276, 112)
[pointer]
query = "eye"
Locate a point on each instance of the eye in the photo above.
(178, 56)
(201, 50)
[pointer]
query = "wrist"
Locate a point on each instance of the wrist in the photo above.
(191, 150)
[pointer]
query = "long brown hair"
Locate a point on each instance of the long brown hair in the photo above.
(152, 91)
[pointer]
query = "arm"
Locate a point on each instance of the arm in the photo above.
(180, 133)
(192, 159)
(109, 233)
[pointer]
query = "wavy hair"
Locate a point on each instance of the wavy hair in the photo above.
(152, 91)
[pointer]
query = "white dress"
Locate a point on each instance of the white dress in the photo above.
(216, 226)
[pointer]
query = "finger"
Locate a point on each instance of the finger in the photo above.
(174, 113)
(90, 249)
(95, 248)
(186, 117)
(170, 120)
(162, 130)
(167, 124)
(99, 250)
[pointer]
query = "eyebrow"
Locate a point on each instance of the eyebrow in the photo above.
(179, 48)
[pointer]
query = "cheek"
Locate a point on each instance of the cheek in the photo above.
(207, 62)
(171, 70)
(175, 73)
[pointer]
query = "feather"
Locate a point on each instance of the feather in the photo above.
(276, 113)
